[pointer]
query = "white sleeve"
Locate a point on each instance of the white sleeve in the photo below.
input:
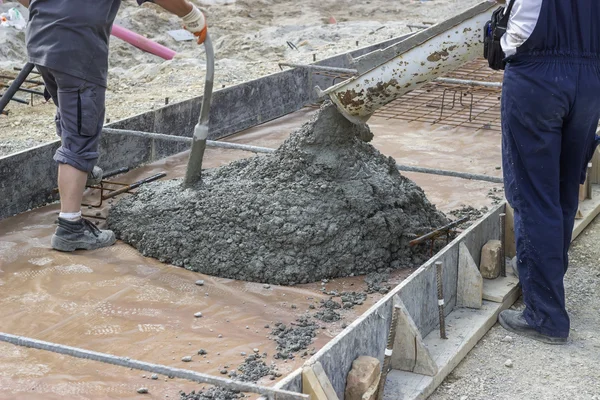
(523, 19)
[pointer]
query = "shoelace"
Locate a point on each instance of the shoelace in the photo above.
(93, 228)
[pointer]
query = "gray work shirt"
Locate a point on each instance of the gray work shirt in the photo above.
(72, 36)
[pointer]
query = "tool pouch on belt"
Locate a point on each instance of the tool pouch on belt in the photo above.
(492, 33)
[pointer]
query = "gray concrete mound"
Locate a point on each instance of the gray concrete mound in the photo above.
(324, 205)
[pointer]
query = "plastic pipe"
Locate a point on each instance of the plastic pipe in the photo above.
(142, 43)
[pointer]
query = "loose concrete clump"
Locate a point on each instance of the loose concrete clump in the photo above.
(214, 393)
(253, 369)
(376, 282)
(325, 204)
(292, 339)
(328, 315)
(351, 299)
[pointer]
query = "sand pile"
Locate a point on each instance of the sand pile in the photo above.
(325, 204)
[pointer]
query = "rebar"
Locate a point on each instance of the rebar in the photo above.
(134, 185)
(439, 267)
(185, 139)
(266, 150)
(503, 244)
(15, 99)
(31, 91)
(389, 350)
(438, 232)
(463, 175)
(26, 80)
(468, 82)
(153, 368)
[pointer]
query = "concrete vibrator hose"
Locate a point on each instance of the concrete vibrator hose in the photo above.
(194, 168)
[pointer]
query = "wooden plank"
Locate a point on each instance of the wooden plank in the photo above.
(501, 288)
(324, 381)
(510, 249)
(595, 171)
(590, 209)
(311, 385)
(469, 291)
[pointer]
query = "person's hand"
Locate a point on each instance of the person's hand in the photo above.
(195, 22)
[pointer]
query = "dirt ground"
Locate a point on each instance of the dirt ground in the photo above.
(540, 371)
(250, 39)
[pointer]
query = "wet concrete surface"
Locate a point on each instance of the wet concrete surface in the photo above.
(119, 302)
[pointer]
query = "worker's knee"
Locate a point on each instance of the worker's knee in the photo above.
(81, 107)
(82, 161)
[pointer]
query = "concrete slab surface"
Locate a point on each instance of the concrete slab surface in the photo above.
(117, 301)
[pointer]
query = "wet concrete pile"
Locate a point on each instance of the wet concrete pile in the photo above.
(324, 205)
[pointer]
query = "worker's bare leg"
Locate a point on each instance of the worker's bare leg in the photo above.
(71, 184)
(79, 125)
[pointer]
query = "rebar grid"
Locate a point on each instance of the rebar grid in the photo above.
(454, 105)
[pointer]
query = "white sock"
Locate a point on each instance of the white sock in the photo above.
(70, 216)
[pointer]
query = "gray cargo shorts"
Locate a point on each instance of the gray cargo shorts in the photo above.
(79, 117)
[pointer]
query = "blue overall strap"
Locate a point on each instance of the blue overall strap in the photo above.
(565, 29)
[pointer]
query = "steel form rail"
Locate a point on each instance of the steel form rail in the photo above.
(270, 393)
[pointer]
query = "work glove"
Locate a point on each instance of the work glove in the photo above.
(195, 22)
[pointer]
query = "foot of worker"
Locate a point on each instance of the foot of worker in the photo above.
(74, 232)
(514, 321)
(80, 234)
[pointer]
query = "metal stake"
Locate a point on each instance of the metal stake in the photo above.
(440, 291)
(502, 244)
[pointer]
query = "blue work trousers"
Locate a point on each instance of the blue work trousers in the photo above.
(550, 113)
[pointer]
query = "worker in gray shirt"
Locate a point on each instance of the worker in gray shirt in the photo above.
(68, 43)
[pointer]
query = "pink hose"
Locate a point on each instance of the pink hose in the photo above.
(142, 43)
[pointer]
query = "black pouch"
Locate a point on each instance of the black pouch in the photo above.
(492, 34)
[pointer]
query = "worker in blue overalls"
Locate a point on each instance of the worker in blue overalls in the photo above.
(550, 113)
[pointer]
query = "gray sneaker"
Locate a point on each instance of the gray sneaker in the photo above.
(94, 177)
(513, 321)
(80, 235)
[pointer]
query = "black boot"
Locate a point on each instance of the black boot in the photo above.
(81, 234)
(514, 321)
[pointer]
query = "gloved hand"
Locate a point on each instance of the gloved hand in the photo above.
(195, 22)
